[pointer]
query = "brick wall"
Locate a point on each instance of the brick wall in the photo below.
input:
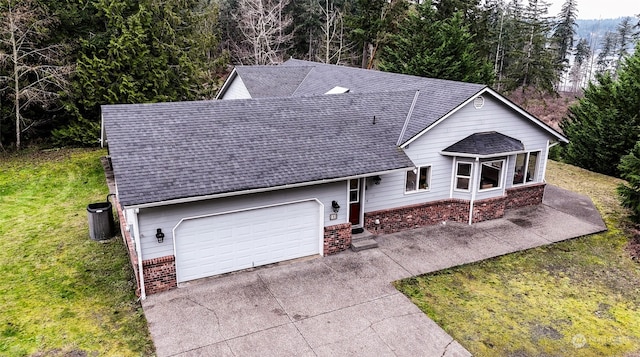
(490, 208)
(159, 274)
(337, 238)
(525, 195)
(403, 218)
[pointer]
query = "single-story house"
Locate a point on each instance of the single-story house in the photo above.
(292, 158)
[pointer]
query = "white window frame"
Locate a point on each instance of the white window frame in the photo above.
(456, 176)
(416, 185)
(500, 175)
(526, 167)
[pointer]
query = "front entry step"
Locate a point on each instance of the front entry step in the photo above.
(362, 244)
(363, 241)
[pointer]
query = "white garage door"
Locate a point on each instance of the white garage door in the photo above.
(222, 243)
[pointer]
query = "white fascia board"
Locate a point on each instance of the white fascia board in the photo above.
(103, 134)
(227, 83)
(454, 110)
(474, 156)
(502, 99)
(260, 190)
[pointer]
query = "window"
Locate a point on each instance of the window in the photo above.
(491, 175)
(418, 179)
(463, 176)
(525, 168)
(354, 191)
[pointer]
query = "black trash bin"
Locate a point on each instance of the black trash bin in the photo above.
(100, 220)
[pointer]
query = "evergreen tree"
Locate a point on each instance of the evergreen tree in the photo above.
(564, 31)
(605, 59)
(624, 39)
(371, 22)
(605, 124)
(630, 192)
(145, 52)
(426, 46)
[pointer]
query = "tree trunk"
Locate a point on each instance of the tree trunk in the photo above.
(16, 77)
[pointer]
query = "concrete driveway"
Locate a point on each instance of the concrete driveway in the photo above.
(345, 305)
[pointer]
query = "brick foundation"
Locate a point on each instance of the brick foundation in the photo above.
(159, 274)
(403, 218)
(522, 196)
(337, 238)
(487, 209)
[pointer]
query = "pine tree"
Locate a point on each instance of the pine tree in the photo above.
(630, 191)
(564, 31)
(426, 46)
(605, 124)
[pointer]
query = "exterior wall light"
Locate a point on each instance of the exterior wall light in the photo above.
(335, 206)
(160, 235)
(377, 179)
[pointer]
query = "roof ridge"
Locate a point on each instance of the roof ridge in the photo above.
(303, 79)
(406, 121)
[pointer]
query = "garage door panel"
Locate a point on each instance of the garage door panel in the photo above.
(223, 243)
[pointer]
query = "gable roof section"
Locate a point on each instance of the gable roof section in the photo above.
(193, 149)
(485, 144)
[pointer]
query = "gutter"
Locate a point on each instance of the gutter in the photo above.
(474, 188)
(260, 190)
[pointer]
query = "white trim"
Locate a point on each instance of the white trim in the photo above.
(417, 189)
(502, 182)
(190, 218)
(475, 183)
(525, 173)
(227, 83)
(455, 176)
(500, 98)
(103, 134)
(406, 120)
(544, 163)
(363, 185)
(260, 190)
(473, 156)
(138, 247)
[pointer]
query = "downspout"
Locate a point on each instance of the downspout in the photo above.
(474, 188)
(136, 238)
(544, 163)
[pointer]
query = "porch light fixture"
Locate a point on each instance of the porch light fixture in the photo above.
(160, 235)
(335, 206)
(377, 179)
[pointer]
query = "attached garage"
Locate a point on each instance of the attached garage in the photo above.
(225, 242)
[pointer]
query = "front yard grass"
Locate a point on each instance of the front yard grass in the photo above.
(61, 293)
(576, 298)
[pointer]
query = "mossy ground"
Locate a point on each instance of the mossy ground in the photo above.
(60, 292)
(575, 298)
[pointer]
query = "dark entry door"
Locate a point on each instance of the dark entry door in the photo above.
(355, 204)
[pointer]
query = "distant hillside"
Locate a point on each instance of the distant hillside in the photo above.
(549, 108)
(594, 30)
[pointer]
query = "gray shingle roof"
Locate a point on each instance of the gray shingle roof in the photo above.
(272, 81)
(488, 143)
(191, 149)
(437, 96)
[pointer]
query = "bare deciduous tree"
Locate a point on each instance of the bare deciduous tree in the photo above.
(35, 76)
(333, 36)
(266, 30)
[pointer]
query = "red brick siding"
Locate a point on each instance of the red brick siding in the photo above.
(490, 208)
(159, 274)
(527, 195)
(399, 219)
(337, 238)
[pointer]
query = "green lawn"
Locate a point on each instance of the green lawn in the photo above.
(60, 292)
(575, 298)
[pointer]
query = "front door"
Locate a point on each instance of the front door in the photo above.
(355, 203)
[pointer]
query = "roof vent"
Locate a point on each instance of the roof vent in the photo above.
(478, 102)
(338, 90)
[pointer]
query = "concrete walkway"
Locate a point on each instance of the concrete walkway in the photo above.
(345, 305)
